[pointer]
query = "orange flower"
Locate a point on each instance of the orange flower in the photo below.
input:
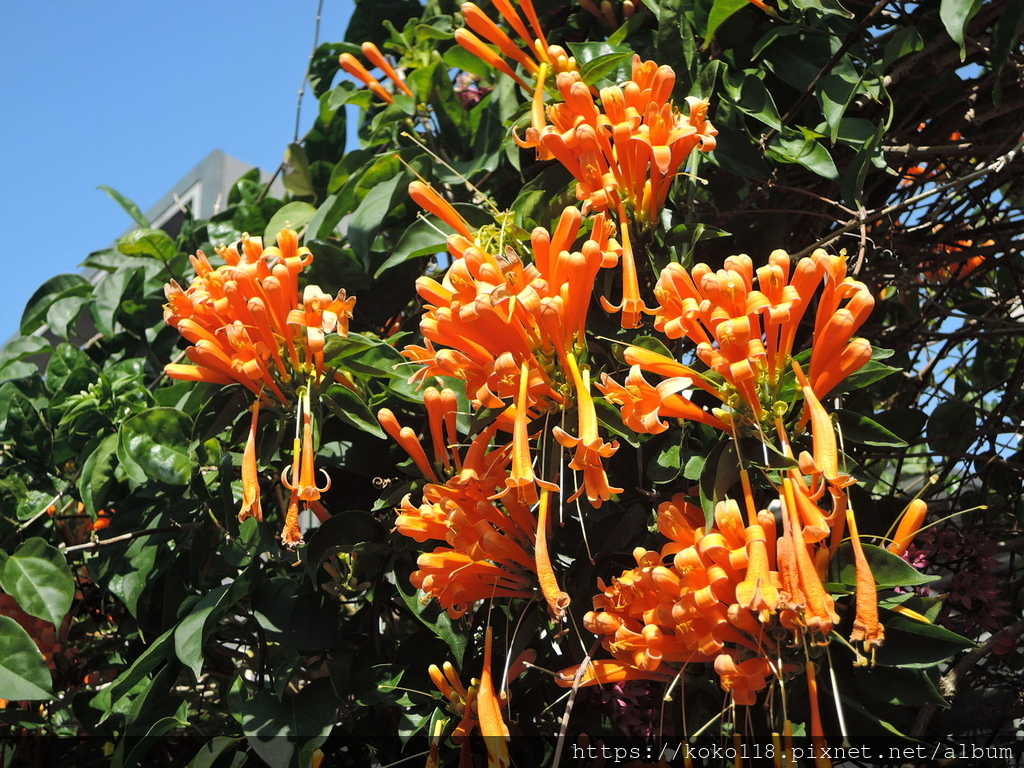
(250, 473)
(744, 679)
(539, 53)
(375, 57)
(590, 448)
(628, 151)
(909, 527)
(492, 724)
(682, 605)
(248, 323)
(353, 66)
(746, 334)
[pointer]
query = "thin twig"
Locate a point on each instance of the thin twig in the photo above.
(309, 67)
(564, 726)
(128, 537)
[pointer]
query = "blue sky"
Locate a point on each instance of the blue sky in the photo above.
(132, 95)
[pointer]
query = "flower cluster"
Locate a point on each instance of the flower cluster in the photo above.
(249, 322)
(627, 150)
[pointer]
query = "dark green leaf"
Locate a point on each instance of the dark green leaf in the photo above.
(424, 237)
(367, 218)
(914, 644)
(720, 11)
(154, 655)
(327, 217)
(55, 288)
(606, 69)
(148, 242)
(196, 628)
(126, 205)
(295, 215)
(441, 626)
(861, 429)
(951, 426)
(350, 408)
(296, 176)
(806, 152)
(124, 284)
(23, 672)
(38, 577)
(155, 444)
(906, 687)
(889, 570)
(98, 474)
(284, 733)
(666, 464)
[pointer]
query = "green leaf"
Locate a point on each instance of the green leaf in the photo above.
(155, 444)
(295, 215)
(124, 284)
(905, 42)
(720, 11)
(719, 473)
(126, 205)
(889, 570)
(869, 374)
(195, 629)
(665, 465)
(23, 672)
(53, 289)
(27, 429)
(364, 355)
(148, 242)
(747, 91)
(806, 152)
(284, 733)
(950, 426)
(98, 474)
(904, 687)
(1006, 32)
(914, 644)
(210, 754)
(296, 176)
(861, 429)
(341, 533)
(424, 237)
(350, 408)
(367, 218)
(608, 68)
(154, 655)
(327, 217)
(441, 626)
(956, 15)
(38, 577)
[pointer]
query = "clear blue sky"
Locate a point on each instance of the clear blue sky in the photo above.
(132, 95)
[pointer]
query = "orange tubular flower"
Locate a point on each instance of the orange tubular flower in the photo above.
(427, 198)
(630, 150)
(248, 323)
(352, 65)
(492, 724)
(250, 473)
(507, 329)
(682, 605)
(375, 57)
(909, 527)
(747, 334)
(539, 52)
(590, 448)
